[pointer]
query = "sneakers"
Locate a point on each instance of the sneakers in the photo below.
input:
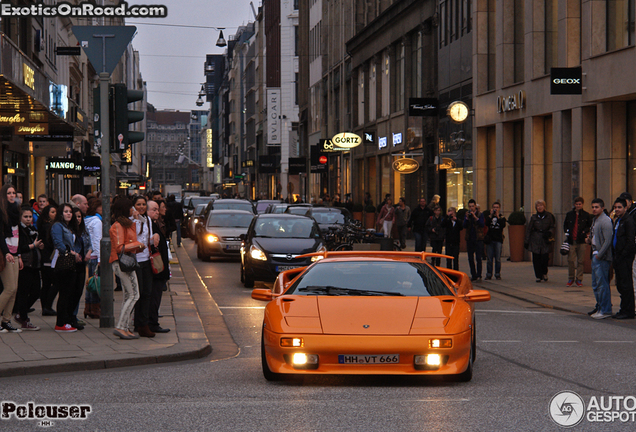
(7, 327)
(66, 328)
(592, 312)
(600, 315)
(579, 283)
(26, 325)
(570, 282)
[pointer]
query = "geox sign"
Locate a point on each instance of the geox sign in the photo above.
(566, 81)
(405, 165)
(346, 140)
(512, 102)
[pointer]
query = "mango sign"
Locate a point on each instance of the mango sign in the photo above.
(406, 165)
(346, 140)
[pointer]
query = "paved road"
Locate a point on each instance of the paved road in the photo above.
(526, 354)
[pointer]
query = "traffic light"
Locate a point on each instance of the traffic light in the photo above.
(122, 137)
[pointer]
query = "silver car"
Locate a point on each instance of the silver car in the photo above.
(221, 234)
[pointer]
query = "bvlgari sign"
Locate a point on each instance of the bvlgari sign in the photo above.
(405, 165)
(513, 102)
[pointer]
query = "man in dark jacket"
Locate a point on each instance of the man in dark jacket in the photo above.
(435, 231)
(631, 211)
(623, 253)
(175, 209)
(453, 229)
(158, 280)
(417, 223)
(494, 240)
(576, 226)
(474, 226)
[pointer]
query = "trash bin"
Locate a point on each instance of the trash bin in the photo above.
(386, 243)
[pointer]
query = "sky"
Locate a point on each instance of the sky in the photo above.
(172, 58)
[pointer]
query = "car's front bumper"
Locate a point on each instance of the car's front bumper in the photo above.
(329, 347)
(220, 248)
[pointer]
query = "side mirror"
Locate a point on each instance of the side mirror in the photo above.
(476, 296)
(262, 294)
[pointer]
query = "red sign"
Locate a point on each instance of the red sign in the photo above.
(322, 159)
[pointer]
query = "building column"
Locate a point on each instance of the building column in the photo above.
(583, 170)
(534, 162)
(562, 201)
(505, 191)
(480, 166)
(40, 177)
(611, 151)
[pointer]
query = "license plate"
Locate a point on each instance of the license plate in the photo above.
(232, 247)
(283, 268)
(368, 358)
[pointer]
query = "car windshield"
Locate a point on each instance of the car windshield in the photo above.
(279, 209)
(218, 205)
(328, 217)
(230, 220)
(286, 228)
(261, 206)
(370, 278)
(200, 209)
(195, 201)
(302, 211)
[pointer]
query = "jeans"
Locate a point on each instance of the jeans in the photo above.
(130, 287)
(624, 285)
(401, 229)
(155, 302)
(420, 242)
(49, 289)
(178, 223)
(70, 284)
(600, 285)
(493, 250)
(452, 250)
(28, 290)
(436, 246)
(142, 307)
(475, 251)
(386, 228)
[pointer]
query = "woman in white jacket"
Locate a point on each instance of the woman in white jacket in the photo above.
(93, 220)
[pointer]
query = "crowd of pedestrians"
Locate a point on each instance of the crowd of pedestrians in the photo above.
(51, 251)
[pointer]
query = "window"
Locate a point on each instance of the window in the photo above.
(443, 23)
(296, 40)
(416, 63)
(551, 34)
(620, 23)
(399, 78)
(519, 39)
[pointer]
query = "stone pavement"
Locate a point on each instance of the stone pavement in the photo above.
(45, 351)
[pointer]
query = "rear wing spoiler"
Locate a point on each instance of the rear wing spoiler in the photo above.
(376, 254)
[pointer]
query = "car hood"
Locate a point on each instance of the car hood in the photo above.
(287, 245)
(226, 232)
(340, 315)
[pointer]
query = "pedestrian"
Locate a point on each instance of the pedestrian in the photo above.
(92, 301)
(29, 247)
(38, 206)
(434, 202)
(436, 233)
(9, 239)
(495, 223)
(417, 223)
(80, 202)
(48, 292)
(576, 226)
(159, 280)
(336, 201)
(69, 281)
(87, 253)
(631, 211)
(387, 196)
(600, 237)
(402, 216)
(540, 239)
(453, 228)
(144, 271)
(123, 237)
(176, 214)
(474, 225)
(386, 217)
(367, 199)
(623, 252)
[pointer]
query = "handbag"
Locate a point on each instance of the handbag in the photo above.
(127, 262)
(65, 261)
(94, 285)
(156, 262)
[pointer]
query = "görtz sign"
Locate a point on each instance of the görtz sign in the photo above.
(346, 140)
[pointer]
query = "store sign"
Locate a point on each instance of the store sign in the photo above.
(63, 166)
(346, 140)
(32, 129)
(12, 119)
(327, 146)
(29, 76)
(317, 160)
(447, 163)
(369, 138)
(267, 164)
(405, 165)
(209, 158)
(297, 165)
(423, 107)
(566, 81)
(273, 117)
(247, 163)
(382, 142)
(511, 103)
(92, 165)
(397, 139)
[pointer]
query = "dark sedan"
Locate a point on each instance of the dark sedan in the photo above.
(273, 243)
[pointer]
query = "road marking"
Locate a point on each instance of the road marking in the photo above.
(556, 341)
(437, 400)
(502, 341)
(613, 341)
(511, 311)
(241, 307)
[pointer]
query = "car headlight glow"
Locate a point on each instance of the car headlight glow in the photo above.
(433, 359)
(292, 342)
(440, 343)
(322, 249)
(211, 238)
(302, 359)
(196, 221)
(257, 254)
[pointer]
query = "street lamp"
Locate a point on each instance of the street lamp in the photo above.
(221, 40)
(199, 101)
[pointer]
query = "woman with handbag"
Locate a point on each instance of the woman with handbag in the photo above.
(87, 252)
(386, 217)
(9, 239)
(144, 271)
(29, 247)
(93, 221)
(159, 257)
(69, 268)
(540, 239)
(48, 291)
(124, 246)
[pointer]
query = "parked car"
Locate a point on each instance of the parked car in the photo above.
(193, 220)
(261, 205)
(276, 208)
(370, 313)
(230, 204)
(328, 217)
(274, 243)
(299, 209)
(221, 232)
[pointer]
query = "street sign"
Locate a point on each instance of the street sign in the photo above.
(94, 39)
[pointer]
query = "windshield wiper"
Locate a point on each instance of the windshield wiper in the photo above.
(335, 291)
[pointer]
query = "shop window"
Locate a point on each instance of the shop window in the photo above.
(619, 23)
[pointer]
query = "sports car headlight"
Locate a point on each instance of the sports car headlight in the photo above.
(257, 254)
(196, 221)
(322, 249)
(302, 359)
(291, 342)
(440, 343)
(211, 238)
(428, 360)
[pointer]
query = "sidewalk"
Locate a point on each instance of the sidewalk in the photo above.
(45, 351)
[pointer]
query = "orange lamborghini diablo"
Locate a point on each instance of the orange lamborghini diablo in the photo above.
(370, 313)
